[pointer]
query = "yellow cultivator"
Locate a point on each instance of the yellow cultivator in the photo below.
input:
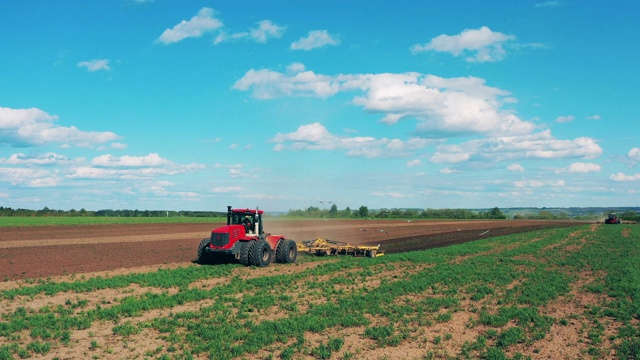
(323, 247)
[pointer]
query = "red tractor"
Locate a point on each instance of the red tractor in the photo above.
(612, 219)
(243, 239)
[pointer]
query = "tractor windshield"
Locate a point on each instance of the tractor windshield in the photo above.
(238, 218)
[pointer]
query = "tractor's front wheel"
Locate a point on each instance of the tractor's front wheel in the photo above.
(245, 248)
(203, 257)
(260, 254)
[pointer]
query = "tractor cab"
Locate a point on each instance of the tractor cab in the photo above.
(251, 219)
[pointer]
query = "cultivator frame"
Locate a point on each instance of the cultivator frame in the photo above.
(323, 247)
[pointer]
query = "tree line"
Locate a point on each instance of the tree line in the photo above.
(364, 212)
(7, 211)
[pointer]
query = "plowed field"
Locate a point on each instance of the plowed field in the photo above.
(43, 251)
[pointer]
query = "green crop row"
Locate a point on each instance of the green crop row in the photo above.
(502, 283)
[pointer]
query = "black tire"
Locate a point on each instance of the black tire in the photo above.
(260, 254)
(290, 251)
(203, 257)
(280, 251)
(245, 248)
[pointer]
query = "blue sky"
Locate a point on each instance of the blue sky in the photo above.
(195, 105)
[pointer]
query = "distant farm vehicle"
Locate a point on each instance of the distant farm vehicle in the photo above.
(243, 239)
(612, 219)
(323, 247)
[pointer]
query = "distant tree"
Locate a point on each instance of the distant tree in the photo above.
(312, 211)
(495, 213)
(411, 213)
(333, 212)
(397, 213)
(363, 211)
(545, 215)
(347, 212)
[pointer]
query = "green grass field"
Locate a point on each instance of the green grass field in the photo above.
(95, 220)
(559, 293)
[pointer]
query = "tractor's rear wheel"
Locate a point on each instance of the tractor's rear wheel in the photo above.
(203, 257)
(260, 254)
(290, 251)
(280, 251)
(245, 248)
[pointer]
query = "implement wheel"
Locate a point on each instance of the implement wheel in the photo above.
(260, 254)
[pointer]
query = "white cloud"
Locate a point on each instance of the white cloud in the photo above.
(221, 166)
(515, 168)
(261, 34)
(127, 167)
(538, 183)
(90, 172)
(95, 65)
(444, 107)
(265, 30)
(594, 117)
(482, 45)
(34, 127)
(634, 154)
(541, 145)
(623, 177)
(49, 158)
(227, 189)
(235, 170)
(449, 171)
(268, 84)
(27, 177)
(119, 146)
(412, 163)
(580, 168)
(316, 137)
(452, 158)
(151, 160)
(565, 119)
(203, 22)
(315, 39)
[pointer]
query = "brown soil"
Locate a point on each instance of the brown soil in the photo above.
(44, 251)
